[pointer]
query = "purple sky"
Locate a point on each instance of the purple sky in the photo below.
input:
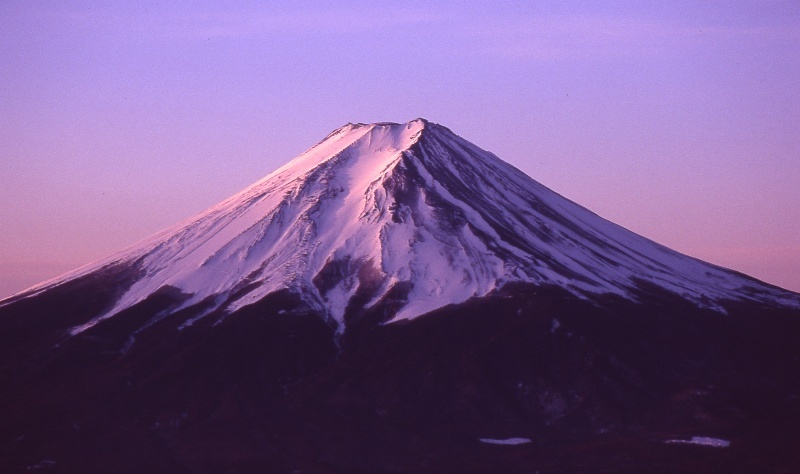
(680, 122)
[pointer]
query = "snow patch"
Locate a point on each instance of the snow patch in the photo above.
(556, 324)
(702, 441)
(507, 441)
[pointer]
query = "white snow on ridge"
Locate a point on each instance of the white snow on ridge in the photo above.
(374, 206)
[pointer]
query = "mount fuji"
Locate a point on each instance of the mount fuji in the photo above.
(386, 301)
(407, 211)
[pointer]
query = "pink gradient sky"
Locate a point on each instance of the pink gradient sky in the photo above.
(680, 122)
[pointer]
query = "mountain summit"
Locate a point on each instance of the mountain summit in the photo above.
(396, 299)
(410, 213)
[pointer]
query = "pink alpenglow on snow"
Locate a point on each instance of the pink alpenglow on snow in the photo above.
(410, 209)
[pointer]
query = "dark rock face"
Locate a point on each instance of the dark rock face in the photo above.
(596, 387)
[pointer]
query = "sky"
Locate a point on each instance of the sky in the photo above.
(679, 120)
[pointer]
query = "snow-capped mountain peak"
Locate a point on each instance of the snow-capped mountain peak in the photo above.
(410, 212)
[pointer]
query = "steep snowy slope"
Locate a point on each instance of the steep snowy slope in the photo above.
(410, 212)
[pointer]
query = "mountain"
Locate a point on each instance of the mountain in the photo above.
(410, 212)
(385, 301)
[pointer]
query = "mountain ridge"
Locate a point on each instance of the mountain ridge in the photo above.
(387, 302)
(371, 206)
